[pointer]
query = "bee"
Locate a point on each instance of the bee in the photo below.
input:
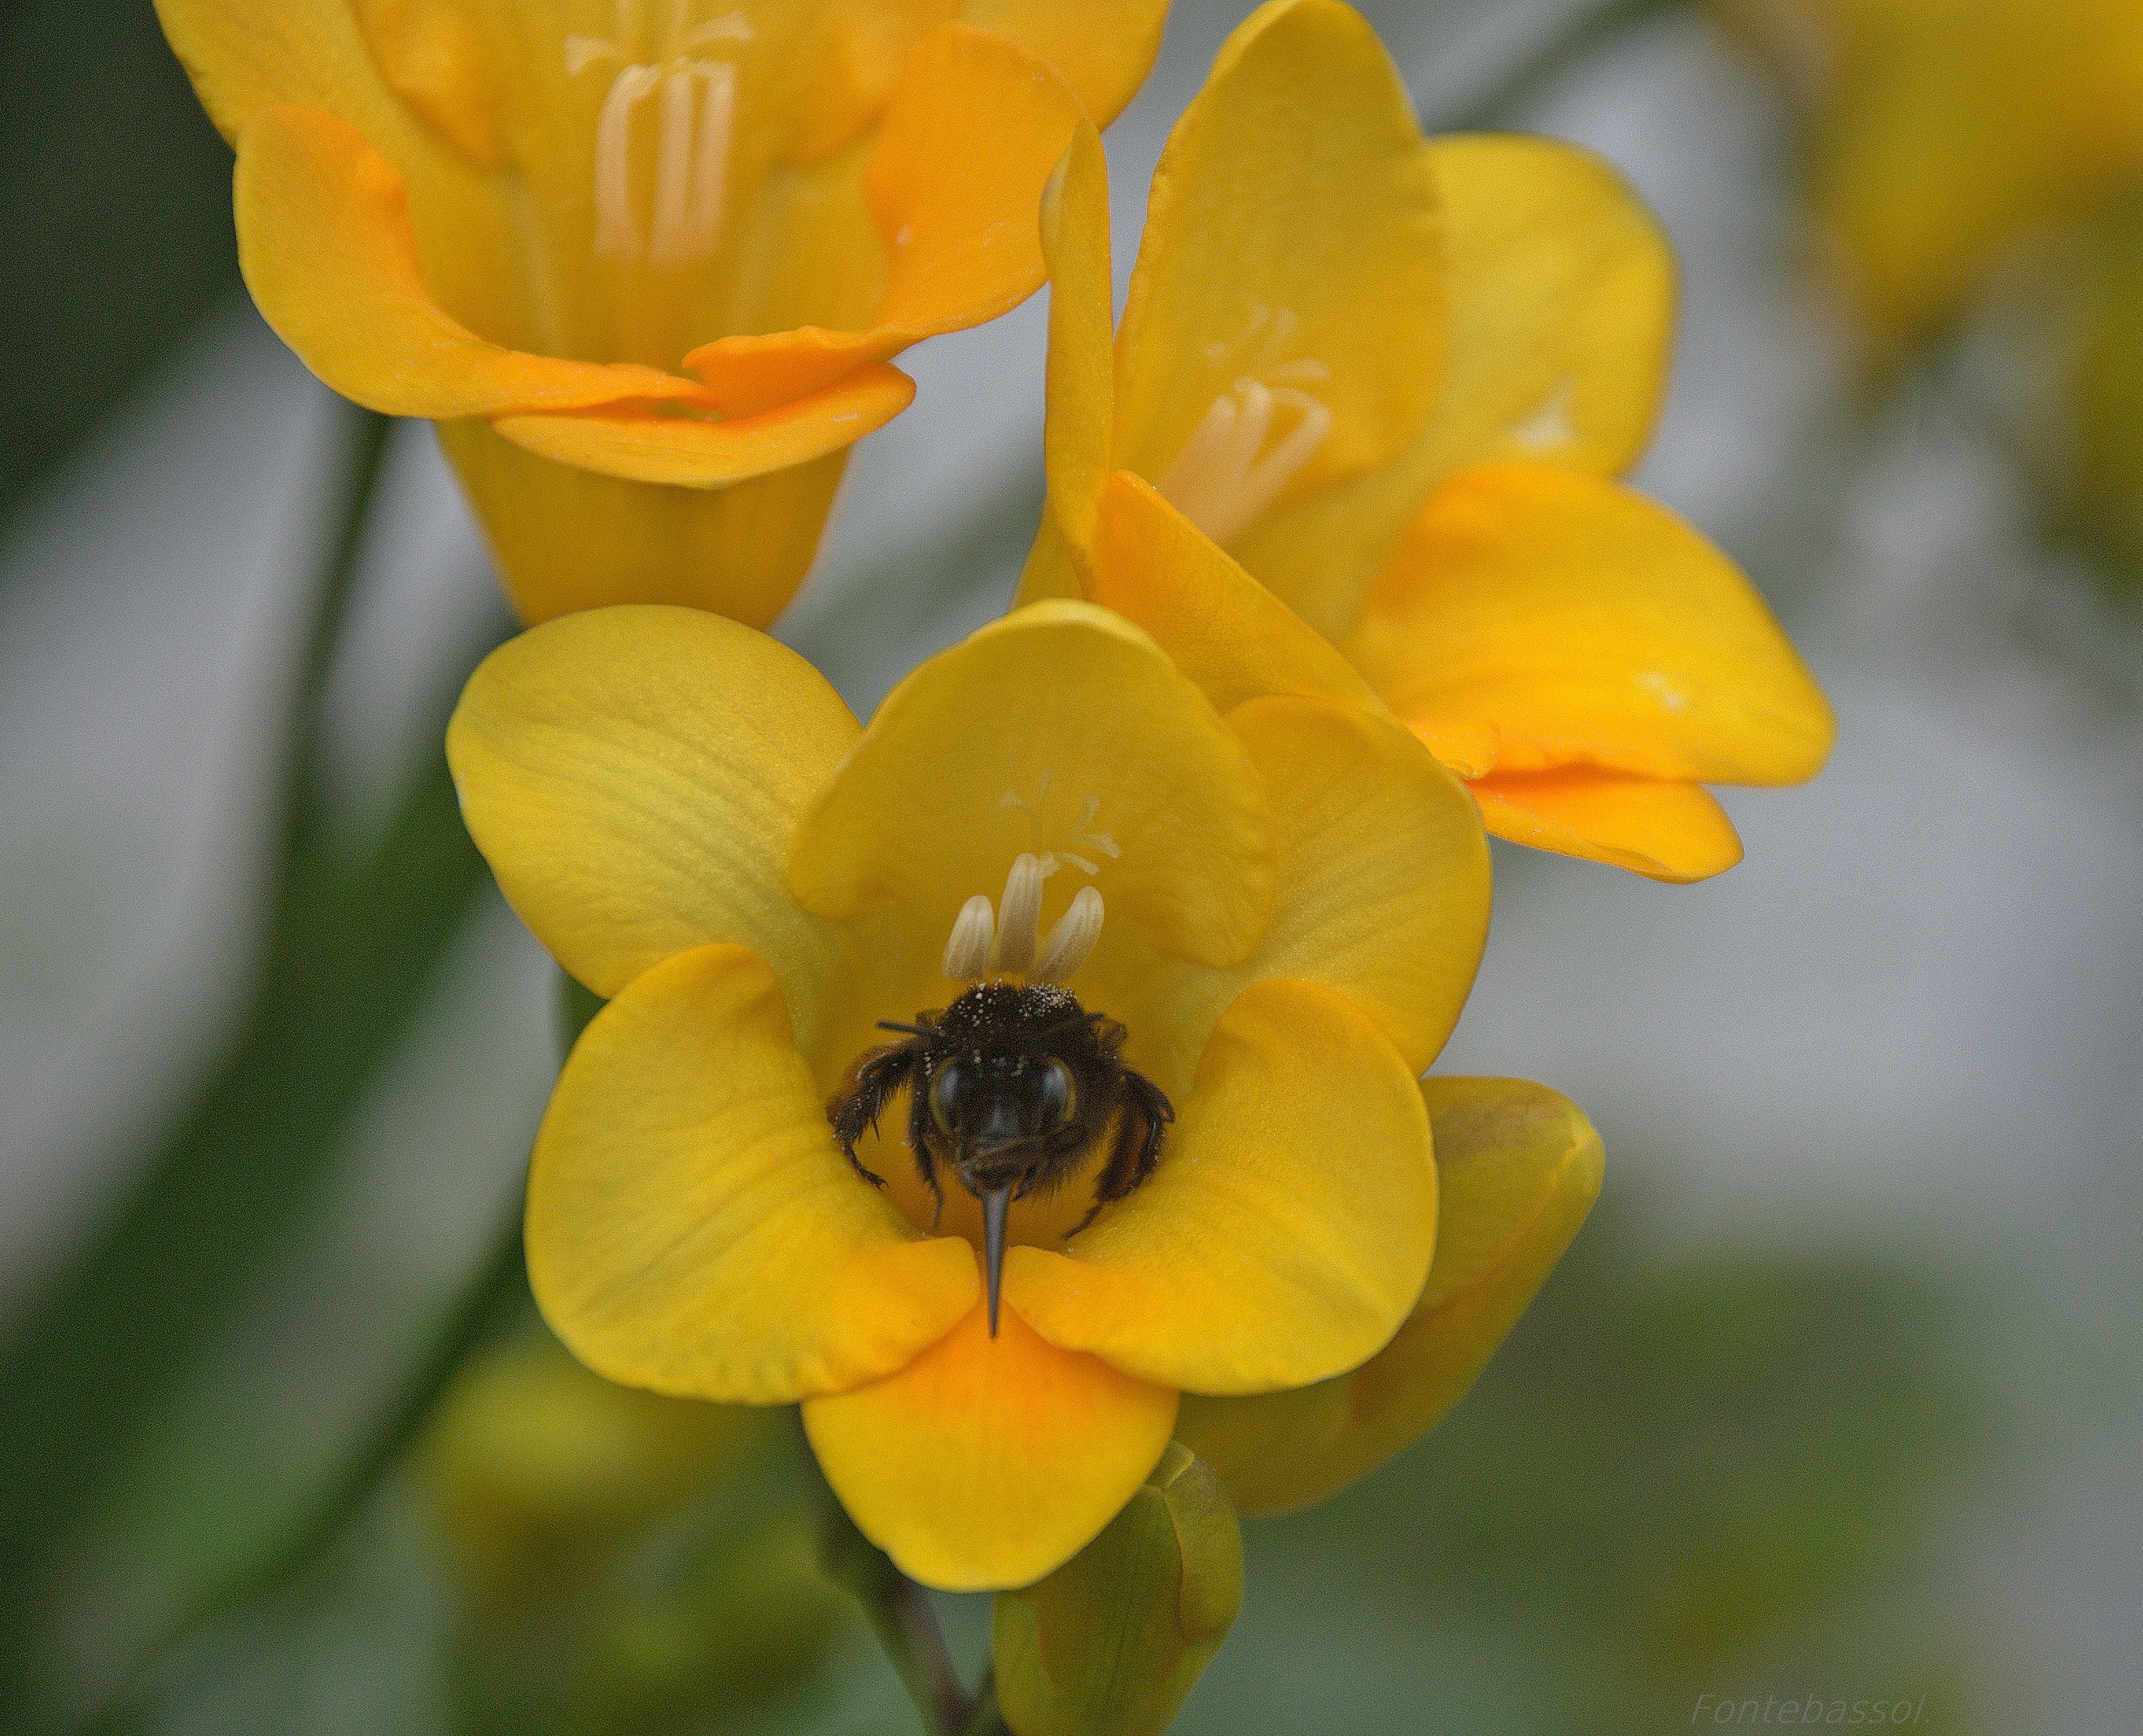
(1010, 1088)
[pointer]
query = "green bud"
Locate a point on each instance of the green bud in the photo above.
(1111, 1643)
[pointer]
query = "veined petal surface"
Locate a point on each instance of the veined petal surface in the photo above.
(1060, 722)
(330, 257)
(987, 1462)
(1382, 894)
(1562, 304)
(641, 445)
(1518, 1167)
(692, 1226)
(1292, 239)
(974, 127)
(1591, 627)
(1655, 826)
(1105, 48)
(1080, 431)
(1287, 1230)
(1219, 626)
(567, 539)
(635, 778)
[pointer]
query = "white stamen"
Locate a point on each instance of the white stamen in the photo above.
(617, 232)
(1225, 476)
(1071, 938)
(1019, 917)
(968, 950)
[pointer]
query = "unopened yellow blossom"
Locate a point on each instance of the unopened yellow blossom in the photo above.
(1940, 133)
(645, 261)
(1393, 379)
(1282, 903)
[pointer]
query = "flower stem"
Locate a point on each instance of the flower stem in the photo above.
(350, 950)
(899, 1613)
(492, 1294)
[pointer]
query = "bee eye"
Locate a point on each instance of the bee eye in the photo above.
(1055, 1098)
(944, 1092)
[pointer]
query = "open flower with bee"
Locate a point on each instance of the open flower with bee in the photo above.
(986, 1078)
(646, 265)
(1395, 377)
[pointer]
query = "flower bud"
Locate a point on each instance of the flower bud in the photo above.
(1111, 1643)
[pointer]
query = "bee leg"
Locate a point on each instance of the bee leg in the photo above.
(918, 1144)
(1139, 1135)
(875, 1077)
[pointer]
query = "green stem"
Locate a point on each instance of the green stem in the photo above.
(348, 957)
(899, 1613)
(491, 1296)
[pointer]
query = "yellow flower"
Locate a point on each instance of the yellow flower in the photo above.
(644, 264)
(1393, 379)
(1281, 905)
(1942, 131)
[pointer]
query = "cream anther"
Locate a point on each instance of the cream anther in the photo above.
(1071, 938)
(967, 949)
(1227, 473)
(1019, 917)
(695, 121)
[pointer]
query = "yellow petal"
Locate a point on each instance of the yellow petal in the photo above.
(1103, 48)
(975, 125)
(1291, 236)
(634, 777)
(1219, 626)
(1055, 722)
(1519, 1167)
(1287, 1230)
(1563, 301)
(317, 54)
(1468, 745)
(692, 1226)
(1381, 895)
(640, 444)
(567, 538)
(329, 255)
(1081, 377)
(1591, 627)
(988, 1463)
(1662, 830)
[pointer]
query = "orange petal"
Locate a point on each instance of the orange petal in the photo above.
(327, 251)
(692, 1226)
(641, 445)
(1591, 625)
(988, 1463)
(1662, 830)
(1104, 48)
(1219, 626)
(975, 126)
(1081, 363)
(1287, 1230)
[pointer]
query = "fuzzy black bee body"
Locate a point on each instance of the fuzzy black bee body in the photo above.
(1010, 1088)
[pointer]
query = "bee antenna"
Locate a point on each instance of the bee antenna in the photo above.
(912, 1030)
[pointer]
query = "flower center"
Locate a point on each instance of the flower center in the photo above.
(696, 116)
(1255, 438)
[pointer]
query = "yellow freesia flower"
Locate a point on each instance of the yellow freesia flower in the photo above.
(1393, 379)
(1940, 132)
(644, 264)
(1282, 906)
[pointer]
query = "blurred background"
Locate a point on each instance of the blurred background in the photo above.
(1838, 1394)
